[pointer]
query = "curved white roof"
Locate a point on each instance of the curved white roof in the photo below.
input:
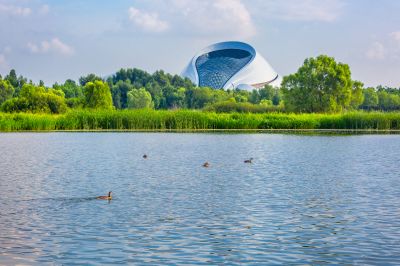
(230, 65)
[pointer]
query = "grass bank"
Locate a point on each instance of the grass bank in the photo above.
(196, 120)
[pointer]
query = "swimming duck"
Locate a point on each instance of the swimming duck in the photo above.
(144, 156)
(109, 197)
(206, 164)
(248, 161)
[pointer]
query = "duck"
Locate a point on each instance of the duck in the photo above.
(206, 164)
(109, 197)
(248, 160)
(144, 156)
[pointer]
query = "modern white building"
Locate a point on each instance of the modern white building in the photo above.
(230, 65)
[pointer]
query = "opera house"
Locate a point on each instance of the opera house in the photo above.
(230, 65)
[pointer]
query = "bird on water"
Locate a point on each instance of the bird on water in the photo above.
(109, 197)
(206, 164)
(144, 156)
(248, 160)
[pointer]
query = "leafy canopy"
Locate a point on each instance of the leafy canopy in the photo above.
(139, 98)
(320, 85)
(97, 95)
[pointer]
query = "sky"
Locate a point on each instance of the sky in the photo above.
(54, 40)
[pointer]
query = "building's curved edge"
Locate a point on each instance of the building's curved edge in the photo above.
(256, 71)
(259, 71)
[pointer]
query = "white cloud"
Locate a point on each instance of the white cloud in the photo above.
(376, 51)
(147, 21)
(300, 10)
(234, 19)
(55, 45)
(15, 10)
(222, 18)
(387, 48)
(211, 17)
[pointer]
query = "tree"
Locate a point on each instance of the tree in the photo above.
(254, 97)
(241, 95)
(88, 78)
(6, 90)
(370, 99)
(388, 101)
(320, 85)
(12, 78)
(16, 82)
(357, 96)
(97, 95)
(156, 94)
(36, 99)
(139, 98)
(197, 98)
(55, 103)
(70, 89)
(270, 93)
(174, 97)
(119, 93)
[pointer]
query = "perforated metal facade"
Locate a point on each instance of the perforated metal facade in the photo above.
(217, 67)
(230, 65)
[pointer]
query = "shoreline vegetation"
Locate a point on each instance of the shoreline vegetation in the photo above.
(320, 97)
(199, 121)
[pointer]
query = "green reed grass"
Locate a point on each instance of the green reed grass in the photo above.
(195, 120)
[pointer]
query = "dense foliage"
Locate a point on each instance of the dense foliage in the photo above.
(147, 119)
(36, 99)
(321, 85)
(139, 98)
(97, 95)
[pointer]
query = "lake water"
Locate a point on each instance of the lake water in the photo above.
(303, 200)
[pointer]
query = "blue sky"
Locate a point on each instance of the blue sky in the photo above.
(54, 40)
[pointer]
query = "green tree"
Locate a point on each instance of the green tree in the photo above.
(139, 98)
(241, 96)
(197, 98)
(388, 101)
(88, 78)
(55, 103)
(6, 90)
(156, 94)
(266, 102)
(370, 99)
(70, 89)
(357, 96)
(174, 97)
(36, 99)
(16, 82)
(254, 97)
(320, 85)
(12, 78)
(119, 93)
(97, 95)
(57, 92)
(270, 93)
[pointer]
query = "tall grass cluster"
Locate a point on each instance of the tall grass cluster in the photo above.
(145, 119)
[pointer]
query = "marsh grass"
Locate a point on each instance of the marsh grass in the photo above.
(146, 119)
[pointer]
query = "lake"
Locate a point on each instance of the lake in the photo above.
(305, 199)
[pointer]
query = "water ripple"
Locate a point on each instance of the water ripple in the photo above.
(304, 199)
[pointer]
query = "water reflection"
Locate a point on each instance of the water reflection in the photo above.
(303, 200)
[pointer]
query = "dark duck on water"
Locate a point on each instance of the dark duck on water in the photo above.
(248, 160)
(109, 197)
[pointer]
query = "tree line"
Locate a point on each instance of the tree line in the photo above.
(320, 85)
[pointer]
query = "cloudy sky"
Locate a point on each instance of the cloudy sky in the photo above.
(54, 40)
